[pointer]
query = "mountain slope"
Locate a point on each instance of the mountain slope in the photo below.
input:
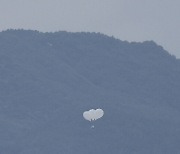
(48, 79)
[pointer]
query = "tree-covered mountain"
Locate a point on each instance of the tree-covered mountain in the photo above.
(47, 80)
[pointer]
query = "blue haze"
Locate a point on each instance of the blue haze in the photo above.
(47, 80)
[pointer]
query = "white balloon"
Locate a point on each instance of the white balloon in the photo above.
(92, 114)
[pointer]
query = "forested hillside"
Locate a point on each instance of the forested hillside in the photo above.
(47, 81)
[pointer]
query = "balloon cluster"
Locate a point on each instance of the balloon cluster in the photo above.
(93, 115)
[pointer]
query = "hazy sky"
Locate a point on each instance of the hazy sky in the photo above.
(132, 20)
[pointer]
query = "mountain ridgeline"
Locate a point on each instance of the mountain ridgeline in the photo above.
(47, 81)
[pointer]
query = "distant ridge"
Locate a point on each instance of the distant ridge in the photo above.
(47, 81)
